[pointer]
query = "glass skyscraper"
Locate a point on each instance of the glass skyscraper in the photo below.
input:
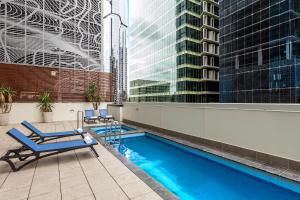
(115, 45)
(260, 51)
(173, 51)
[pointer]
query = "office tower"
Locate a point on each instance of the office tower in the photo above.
(173, 51)
(259, 51)
(52, 45)
(115, 39)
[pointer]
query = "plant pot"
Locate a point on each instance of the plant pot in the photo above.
(48, 117)
(4, 117)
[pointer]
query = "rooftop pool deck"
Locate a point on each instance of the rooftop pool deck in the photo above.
(74, 175)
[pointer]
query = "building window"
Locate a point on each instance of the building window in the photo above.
(212, 9)
(212, 48)
(237, 64)
(211, 74)
(205, 49)
(205, 33)
(204, 73)
(212, 35)
(259, 57)
(205, 63)
(205, 21)
(212, 61)
(212, 22)
(204, 6)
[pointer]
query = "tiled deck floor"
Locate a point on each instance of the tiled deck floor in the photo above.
(73, 175)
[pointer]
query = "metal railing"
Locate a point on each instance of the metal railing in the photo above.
(78, 119)
(113, 132)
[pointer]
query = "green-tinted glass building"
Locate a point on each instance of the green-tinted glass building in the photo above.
(173, 51)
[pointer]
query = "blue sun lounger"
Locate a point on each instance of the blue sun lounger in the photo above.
(39, 136)
(104, 115)
(35, 150)
(89, 115)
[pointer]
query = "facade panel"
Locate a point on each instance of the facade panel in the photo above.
(52, 33)
(64, 36)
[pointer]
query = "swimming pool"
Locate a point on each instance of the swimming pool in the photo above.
(193, 174)
(102, 129)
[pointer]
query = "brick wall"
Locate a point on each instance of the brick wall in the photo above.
(65, 85)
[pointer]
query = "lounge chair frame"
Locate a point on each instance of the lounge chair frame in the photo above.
(39, 138)
(21, 154)
(87, 119)
(105, 119)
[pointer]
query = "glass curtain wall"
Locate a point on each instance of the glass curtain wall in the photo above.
(173, 51)
(260, 51)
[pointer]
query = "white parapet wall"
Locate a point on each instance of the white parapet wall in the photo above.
(268, 128)
(61, 111)
(116, 111)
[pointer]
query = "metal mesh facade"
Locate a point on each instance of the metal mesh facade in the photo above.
(260, 51)
(53, 33)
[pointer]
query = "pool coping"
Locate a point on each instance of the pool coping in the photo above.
(162, 191)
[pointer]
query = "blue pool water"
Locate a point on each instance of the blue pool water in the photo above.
(193, 174)
(102, 130)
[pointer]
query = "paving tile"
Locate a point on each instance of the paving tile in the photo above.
(149, 196)
(126, 178)
(111, 194)
(136, 189)
(47, 196)
(19, 179)
(48, 163)
(49, 175)
(116, 169)
(291, 175)
(72, 181)
(40, 187)
(4, 168)
(295, 166)
(99, 184)
(15, 194)
(101, 173)
(64, 173)
(89, 197)
(4, 172)
(76, 192)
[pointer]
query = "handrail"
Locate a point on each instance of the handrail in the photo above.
(111, 132)
(106, 129)
(120, 132)
(82, 119)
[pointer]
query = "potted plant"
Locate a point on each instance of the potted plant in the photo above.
(6, 94)
(93, 96)
(46, 106)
